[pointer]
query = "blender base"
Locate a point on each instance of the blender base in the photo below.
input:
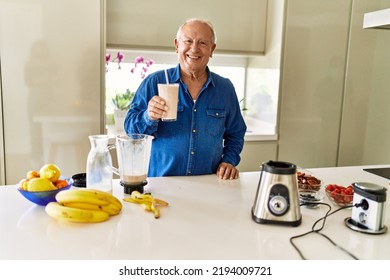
(128, 189)
(356, 227)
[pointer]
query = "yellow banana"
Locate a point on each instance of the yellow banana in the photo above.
(137, 197)
(81, 195)
(160, 202)
(147, 201)
(65, 213)
(155, 210)
(105, 195)
(112, 209)
(82, 205)
(89, 196)
(147, 206)
(151, 208)
(132, 200)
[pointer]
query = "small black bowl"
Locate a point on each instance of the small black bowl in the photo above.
(80, 180)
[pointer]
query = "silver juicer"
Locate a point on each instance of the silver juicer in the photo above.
(277, 196)
(368, 216)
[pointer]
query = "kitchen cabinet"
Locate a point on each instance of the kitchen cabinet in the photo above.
(334, 87)
(315, 48)
(255, 153)
(156, 26)
(365, 127)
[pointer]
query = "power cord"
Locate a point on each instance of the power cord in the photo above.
(317, 231)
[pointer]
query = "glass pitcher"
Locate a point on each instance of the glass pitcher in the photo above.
(133, 152)
(99, 164)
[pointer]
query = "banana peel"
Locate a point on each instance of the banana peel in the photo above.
(147, 201)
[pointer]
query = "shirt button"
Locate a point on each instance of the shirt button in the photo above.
(193, 130)
(194, 110)
(192, 153)
(216, 114)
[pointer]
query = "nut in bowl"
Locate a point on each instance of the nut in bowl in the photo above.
(307, 182)
(42, 198)
(340, 195)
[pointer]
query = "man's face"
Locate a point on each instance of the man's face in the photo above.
(194, 46)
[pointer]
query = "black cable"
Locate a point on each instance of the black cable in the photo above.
(338, 246)
(313, 230)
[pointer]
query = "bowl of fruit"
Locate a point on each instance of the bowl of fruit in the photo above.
(340, 195)
(41, 187)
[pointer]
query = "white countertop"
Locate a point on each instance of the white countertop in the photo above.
(207, 218)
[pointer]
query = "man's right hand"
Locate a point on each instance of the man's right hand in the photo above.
(157, 108)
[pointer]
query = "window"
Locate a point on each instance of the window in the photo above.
(257, 89)
(261, 100)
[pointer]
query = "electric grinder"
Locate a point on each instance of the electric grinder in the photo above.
(369, 207)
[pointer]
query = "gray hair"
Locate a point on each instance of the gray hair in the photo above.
(209, 24)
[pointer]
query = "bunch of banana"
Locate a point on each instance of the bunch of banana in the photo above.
(147, 201)
(84, 206)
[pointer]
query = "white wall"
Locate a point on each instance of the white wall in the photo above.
(51, 64)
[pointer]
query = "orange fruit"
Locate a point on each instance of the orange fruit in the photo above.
(61, 183)
(32, 174)
(23, 184)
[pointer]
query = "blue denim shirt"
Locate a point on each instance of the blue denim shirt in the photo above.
(206, 132)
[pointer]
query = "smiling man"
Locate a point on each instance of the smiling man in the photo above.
(208, 134)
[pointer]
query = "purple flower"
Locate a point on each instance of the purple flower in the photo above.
(120, 57)
(138, 60)
(149, 62)
(144, 69)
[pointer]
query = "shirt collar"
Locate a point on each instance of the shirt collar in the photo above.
(176, 75)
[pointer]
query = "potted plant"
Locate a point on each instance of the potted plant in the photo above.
(121, 102)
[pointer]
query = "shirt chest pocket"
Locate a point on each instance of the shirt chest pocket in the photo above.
(215, 121)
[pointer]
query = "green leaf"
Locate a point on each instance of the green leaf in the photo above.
(122, 101)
